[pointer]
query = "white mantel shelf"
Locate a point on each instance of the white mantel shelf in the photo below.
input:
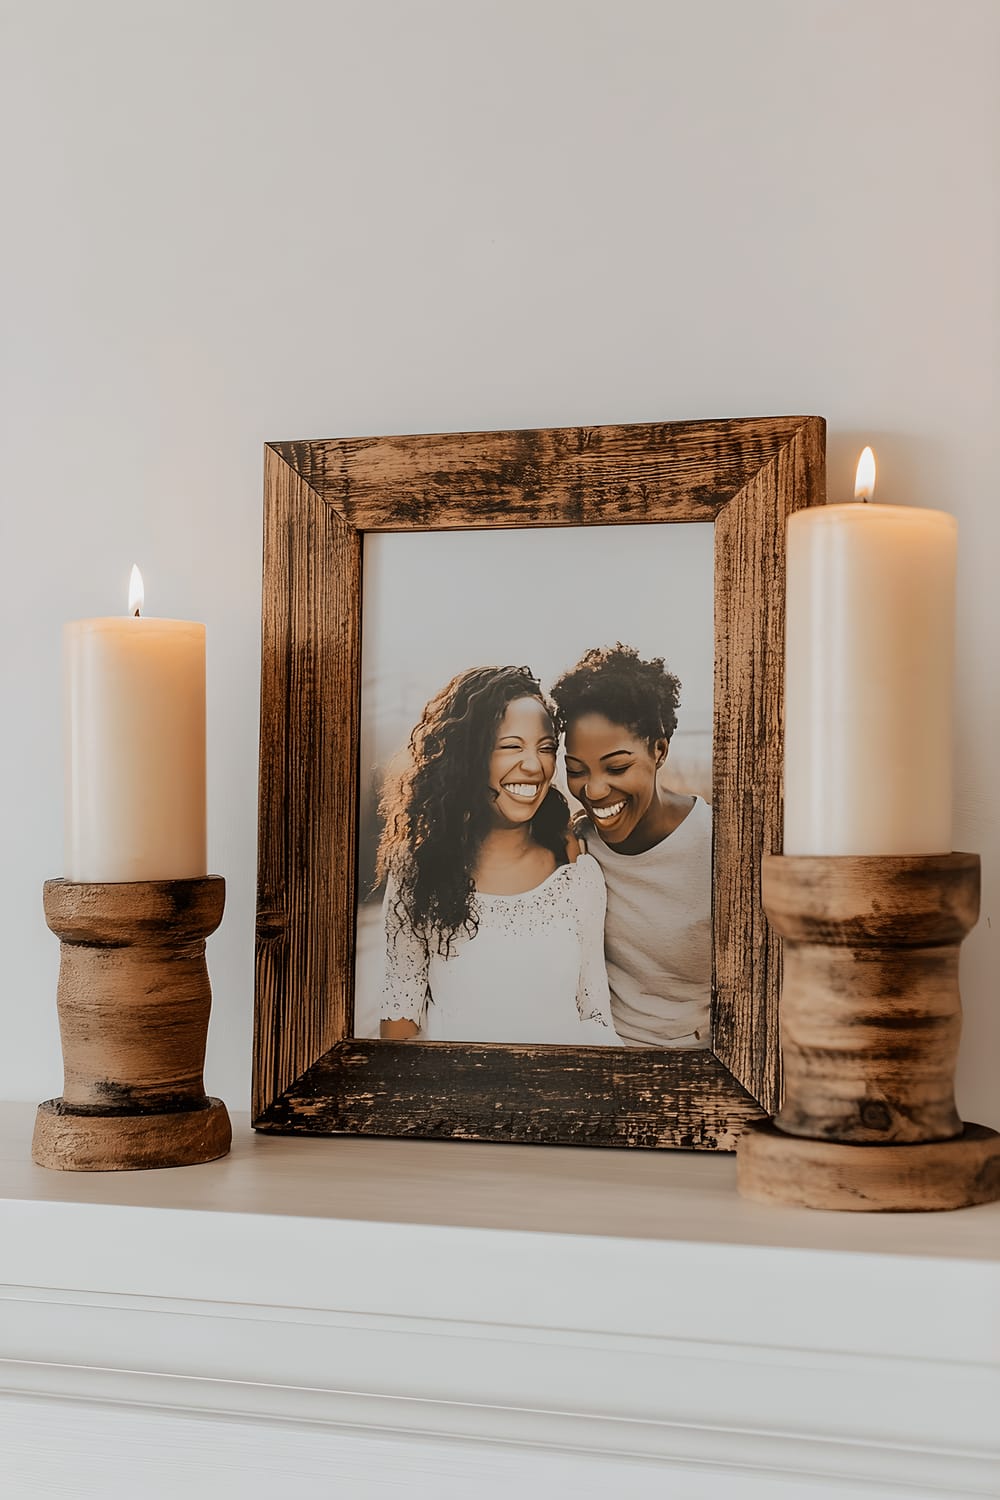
(386, 1318)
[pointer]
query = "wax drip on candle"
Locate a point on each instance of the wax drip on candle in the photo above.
(864, 479)
(136, 593)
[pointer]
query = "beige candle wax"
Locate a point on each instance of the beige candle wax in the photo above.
(135, 748)
(869, 679)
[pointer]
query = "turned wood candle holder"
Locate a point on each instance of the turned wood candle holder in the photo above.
(134, 1001)
(870, 1023)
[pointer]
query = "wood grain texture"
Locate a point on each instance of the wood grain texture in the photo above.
(747, 754)
(921, 1177)
(586, 1096)
(871, 1012)
(900, 901)
(747, 475)
(310, 691)
(134, 1000)
(65, 1141)
(561, 476)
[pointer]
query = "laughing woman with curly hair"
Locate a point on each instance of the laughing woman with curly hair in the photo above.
(493, 919)
(654, 845)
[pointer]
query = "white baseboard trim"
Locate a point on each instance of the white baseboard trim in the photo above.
(920, 1427)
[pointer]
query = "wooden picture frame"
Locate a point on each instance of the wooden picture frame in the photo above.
(310, 1073)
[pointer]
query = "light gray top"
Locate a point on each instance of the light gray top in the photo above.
(658, 933)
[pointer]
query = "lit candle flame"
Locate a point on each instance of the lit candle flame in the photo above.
(136, 592)
(864, 480)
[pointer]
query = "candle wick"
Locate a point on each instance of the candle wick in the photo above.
(135, 613)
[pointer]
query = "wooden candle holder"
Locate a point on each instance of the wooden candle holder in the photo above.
(134, 1001)
(870, 1022)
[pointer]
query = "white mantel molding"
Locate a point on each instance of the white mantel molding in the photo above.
(361, 1308)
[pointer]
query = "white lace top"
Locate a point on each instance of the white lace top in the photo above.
(533, 972)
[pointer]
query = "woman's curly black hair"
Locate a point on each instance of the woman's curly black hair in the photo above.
(437, 809)
(642, 696)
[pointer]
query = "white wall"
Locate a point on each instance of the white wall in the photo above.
(229, 221)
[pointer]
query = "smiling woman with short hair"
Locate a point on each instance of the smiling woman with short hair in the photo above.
(493, 919)
(654, 845)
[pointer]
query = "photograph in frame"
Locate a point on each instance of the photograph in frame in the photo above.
(464, 635)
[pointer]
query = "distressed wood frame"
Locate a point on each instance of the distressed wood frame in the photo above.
(310, 1073)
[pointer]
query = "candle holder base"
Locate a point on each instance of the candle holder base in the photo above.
(773, 1167)
(870, 1020)
(68, 1141)
(134, 1001)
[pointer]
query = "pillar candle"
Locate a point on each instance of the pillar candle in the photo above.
(135, 748)
(869, 679)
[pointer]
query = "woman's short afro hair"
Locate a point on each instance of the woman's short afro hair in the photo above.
(642, 696)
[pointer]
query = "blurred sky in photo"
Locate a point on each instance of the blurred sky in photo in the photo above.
(436, 603)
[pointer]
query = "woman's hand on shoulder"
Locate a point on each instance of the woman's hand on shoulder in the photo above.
(573, 848)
